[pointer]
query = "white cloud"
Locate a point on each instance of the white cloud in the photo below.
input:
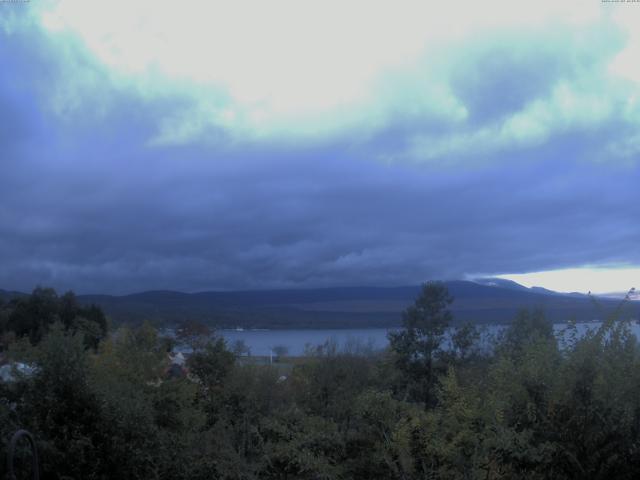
(565, 108)
(287, 67)
(626, 64)
(594, 279)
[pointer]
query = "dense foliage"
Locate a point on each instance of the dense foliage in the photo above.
(439, 403)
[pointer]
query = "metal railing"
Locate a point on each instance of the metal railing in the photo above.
(12, 450)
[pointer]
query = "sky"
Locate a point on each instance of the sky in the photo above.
(204, 145)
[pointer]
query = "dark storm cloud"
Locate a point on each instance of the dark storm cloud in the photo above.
(86, 202)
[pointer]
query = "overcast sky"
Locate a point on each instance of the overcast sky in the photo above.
(238, 145)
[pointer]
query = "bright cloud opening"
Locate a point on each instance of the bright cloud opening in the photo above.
(596, 280)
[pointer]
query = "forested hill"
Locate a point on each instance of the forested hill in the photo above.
(486, 301)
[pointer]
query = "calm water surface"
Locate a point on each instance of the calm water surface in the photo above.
(261, 342)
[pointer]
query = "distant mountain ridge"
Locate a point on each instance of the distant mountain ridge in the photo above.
(486, 300)
(483, 301)
(7, 295)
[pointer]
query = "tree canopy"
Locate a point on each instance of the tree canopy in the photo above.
(436, 404)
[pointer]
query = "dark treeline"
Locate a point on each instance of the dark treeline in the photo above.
(106, 406)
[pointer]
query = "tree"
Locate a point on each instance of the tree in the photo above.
(32, 316)
(213, 363)
(280, 351)
(211, 366)
(329, 380)
(194, 334)
(301, 446)
(528, 328)
(418, 344)
(464, 343)
(140, 416)
(240, 348)
(382, 442)
(59, 406)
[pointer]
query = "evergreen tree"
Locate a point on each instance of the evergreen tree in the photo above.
(418, 345)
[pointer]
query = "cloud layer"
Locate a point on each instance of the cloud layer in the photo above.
(275, 153)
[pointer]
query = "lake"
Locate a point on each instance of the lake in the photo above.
(260, 342)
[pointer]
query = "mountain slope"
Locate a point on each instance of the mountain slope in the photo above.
(353, 307)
